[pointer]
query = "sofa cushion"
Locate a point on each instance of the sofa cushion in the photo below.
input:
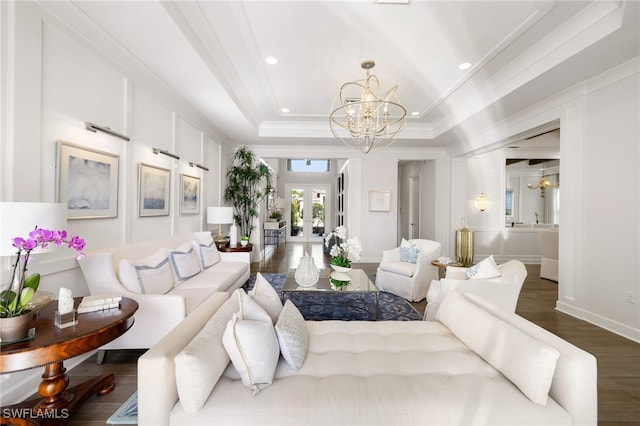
(207, 254)
(293, 335)
(201, 363)
(486, 268)
(528, 363)
(250, 340)
(266, 296)
(184, 262)
(151, 275)
(400, 268)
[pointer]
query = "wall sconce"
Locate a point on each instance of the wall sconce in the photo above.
(200, 166)
(164, 152)
(482, 202)
(94, 128)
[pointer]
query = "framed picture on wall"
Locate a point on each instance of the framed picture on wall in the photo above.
(379, 201)
(189, 194)
(87, 182)
(154, 185)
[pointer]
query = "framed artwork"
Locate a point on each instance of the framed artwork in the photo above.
(87, 182)
(189, 194)
(379, 201)
(153, 190)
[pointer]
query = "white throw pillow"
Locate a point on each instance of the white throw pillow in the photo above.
(201, 363)
(151, 275)
(266, 296)
(253, 348)
(184, 263)
(486, 268)
(293, 335)
(207, 254)
(528, 363)
(250, 309)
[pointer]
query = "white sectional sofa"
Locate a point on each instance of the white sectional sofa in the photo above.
(168, 278)
(475, 365)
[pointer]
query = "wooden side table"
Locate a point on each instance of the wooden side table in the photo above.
(238, 249)
(442, 267)
(48, 349)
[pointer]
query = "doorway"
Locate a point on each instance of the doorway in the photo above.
(306, 208)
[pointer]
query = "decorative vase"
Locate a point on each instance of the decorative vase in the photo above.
(340, 268)
(307, 273)
(13, 329)
(233, 235)
(464, 245)
(243, 243)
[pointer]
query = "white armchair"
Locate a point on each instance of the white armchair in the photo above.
(501, 292)
(408, 280)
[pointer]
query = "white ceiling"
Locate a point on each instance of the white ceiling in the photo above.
(212, 53)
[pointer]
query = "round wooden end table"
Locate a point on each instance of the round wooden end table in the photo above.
(442, 267)
(49, 348)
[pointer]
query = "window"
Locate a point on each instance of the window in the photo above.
(508, 202)
(308, 165)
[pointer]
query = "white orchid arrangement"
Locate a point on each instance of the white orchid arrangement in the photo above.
(345, 249)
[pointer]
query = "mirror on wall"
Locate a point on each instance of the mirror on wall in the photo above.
(532, 196)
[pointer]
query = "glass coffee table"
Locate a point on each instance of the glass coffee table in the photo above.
(359, 284)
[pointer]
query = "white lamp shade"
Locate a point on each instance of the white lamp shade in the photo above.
(18, 219)
(219, 215)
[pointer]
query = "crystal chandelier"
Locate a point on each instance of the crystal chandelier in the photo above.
(363, 117)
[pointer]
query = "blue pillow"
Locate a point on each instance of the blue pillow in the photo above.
(409, 254)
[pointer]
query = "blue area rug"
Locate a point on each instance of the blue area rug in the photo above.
(344, 306)
(127, 414)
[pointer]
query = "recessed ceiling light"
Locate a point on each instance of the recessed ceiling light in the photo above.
(414, 113)
(271, 60)
(464, 66)
(285, 110)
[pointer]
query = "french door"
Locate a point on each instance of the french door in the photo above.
(307, 210)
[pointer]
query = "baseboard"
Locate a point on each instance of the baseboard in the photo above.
(600, 321)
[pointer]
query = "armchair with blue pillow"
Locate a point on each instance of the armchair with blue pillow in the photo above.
(406, 271)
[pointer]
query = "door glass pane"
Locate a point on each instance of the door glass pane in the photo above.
(297, 210)
(318, 219)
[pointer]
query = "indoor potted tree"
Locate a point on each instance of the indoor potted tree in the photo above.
(248, 182)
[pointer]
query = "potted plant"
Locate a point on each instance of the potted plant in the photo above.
(244, 240)
(276, 216)
(343, 249)
(14, 313)
(248, 182)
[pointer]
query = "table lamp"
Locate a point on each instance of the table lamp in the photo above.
(219, 216)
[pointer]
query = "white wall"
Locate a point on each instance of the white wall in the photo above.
(52, 81)
(600, 224)
(599, 206)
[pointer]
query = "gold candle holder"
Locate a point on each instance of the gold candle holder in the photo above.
(464, 245)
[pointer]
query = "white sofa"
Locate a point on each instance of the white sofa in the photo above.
(549, 253)
(376, 373)
(160, 311)
(501, 292)
(409, 280)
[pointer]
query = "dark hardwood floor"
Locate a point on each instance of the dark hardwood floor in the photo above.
(618, 358)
